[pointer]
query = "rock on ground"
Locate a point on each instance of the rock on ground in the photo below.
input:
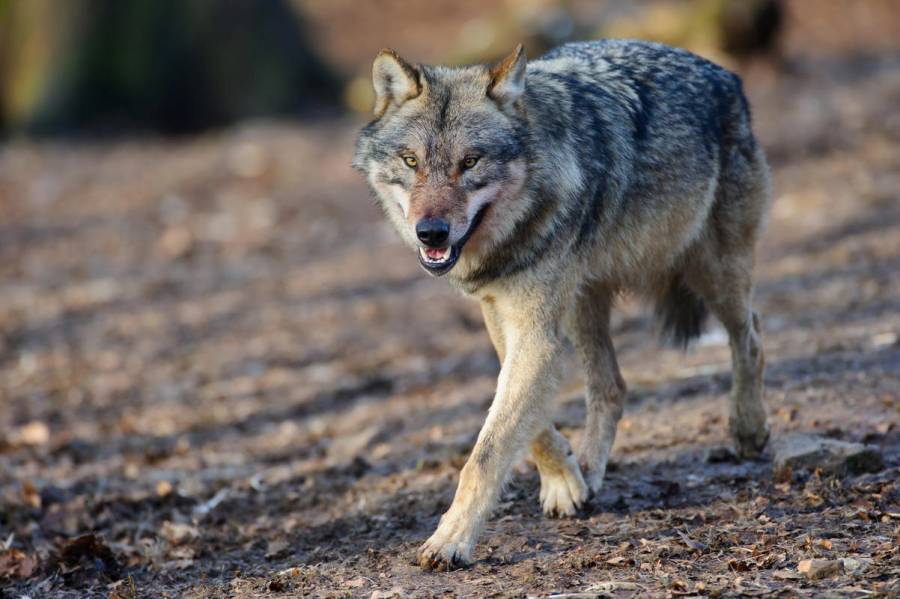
(807, 452)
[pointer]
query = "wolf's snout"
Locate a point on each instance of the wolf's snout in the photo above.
(433, 232)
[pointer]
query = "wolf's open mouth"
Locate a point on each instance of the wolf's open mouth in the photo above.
(440, 261)
(436, 255)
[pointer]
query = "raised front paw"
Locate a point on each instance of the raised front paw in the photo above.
(563, 492)
(441, 554)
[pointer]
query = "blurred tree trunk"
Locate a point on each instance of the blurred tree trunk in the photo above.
(168, 65)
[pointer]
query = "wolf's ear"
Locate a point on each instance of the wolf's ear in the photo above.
(395, 81)
(508, 78)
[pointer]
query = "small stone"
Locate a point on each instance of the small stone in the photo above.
(33, 433)
(806, 452)
(176, 242)
(856, 565)
(276, 548)
(785, 574)
(814, 569)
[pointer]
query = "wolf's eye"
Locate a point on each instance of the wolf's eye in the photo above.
(469, 162)
(411, 161)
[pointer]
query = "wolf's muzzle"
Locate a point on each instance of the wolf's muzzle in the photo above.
(439, 261)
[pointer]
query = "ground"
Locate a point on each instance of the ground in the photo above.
(216, 357)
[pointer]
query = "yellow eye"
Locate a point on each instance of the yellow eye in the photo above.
(411, 161)
(469, 162)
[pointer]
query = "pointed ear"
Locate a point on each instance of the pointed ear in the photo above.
(508, 78)
(395, 81)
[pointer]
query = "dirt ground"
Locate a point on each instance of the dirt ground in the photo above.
(216, 358)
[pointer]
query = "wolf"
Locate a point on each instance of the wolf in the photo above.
(544, 189)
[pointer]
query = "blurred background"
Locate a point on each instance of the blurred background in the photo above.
(180, 67)
(216, 356)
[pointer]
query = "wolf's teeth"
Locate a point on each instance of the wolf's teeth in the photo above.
(444, 256)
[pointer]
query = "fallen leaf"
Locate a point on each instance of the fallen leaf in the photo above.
(89, 556)
(15, 564)
(182, 553)
(739, 565)
(163, 488)
(177, 533)
(30, 495)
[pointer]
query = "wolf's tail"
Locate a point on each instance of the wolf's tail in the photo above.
(681, 312)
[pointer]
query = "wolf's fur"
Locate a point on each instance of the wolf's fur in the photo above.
(602, 167)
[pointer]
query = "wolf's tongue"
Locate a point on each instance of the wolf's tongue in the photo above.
(435, 253)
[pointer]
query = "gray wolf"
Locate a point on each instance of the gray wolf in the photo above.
(543, 189)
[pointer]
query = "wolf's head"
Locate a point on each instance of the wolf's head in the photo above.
(446, 149)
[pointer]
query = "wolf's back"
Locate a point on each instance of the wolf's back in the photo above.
(683, 97)
(654, 131)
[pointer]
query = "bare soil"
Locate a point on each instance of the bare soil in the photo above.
(216, 357)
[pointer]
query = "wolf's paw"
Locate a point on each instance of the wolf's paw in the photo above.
(441, 554)
(594, 479)
(750, 432)
(563, 492)
(750, 443)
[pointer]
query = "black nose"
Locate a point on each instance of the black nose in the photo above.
(433, 231)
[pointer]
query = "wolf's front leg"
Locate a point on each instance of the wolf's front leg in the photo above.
(563, 489)
(527, 381)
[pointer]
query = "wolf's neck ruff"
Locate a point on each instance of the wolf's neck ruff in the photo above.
(533, 235)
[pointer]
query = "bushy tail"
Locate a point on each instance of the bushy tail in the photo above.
(682, 314)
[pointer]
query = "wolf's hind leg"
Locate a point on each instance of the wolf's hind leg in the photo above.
(563, 490)
(747, 412)
(588, 327)
(720, 270)
(726, 286)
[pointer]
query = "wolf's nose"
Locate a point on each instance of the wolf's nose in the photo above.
(433, 232)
